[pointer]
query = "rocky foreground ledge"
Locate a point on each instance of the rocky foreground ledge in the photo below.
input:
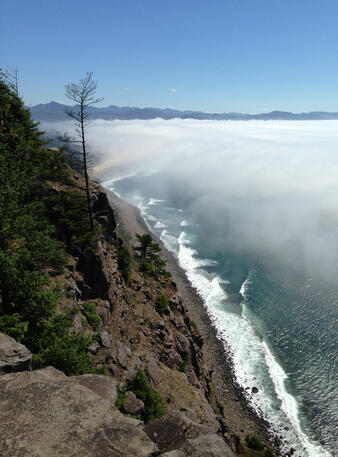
(45, 413)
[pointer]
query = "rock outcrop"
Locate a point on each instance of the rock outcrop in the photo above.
(14, 356)
(44, 413)
(203, 446)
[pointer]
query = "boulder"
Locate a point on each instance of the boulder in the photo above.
(123, 353)
(104, 386)
(132, 405)
(14, 356)
(172, 430)
(45, 413)
(182, 346)
(152, 372)
(106, 339)
(202, 446)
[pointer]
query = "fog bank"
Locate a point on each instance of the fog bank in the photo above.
(274, 184)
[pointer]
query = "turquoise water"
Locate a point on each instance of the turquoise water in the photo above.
(274, 312)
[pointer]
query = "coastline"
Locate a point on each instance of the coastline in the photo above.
(240, 418)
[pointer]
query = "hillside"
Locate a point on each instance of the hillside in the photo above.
(119, 367)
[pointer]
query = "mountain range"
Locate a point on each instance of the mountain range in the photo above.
(53, 111)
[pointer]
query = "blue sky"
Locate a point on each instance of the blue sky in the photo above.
(210, 55)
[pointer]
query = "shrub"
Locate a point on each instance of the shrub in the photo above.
(153, 405)
(254, 443)
(121, 397)
(63, 350)
(161, 303)
(151, 263)
(68, 212)
(182, 366)
(123, 263)
(91, 315)
(13, 326)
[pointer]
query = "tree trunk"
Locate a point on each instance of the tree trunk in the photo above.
(85, 167)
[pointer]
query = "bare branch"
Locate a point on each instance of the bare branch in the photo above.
(83, 94)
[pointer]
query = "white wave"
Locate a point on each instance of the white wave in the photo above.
(184, 223)
(254, 364)
(160, 225)
(244, 286)
(289, 404)
(170, 241)
(155, 201)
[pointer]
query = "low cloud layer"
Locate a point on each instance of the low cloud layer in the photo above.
(275, 183)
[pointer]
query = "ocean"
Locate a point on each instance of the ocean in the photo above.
(271, 294)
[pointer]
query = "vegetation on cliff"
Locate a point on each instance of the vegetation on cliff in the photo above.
(37, 226)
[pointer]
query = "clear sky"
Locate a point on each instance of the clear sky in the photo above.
(210, 55)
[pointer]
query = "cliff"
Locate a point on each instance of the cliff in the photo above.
(134, 342)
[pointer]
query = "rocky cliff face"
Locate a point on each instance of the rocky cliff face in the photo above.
(44, 413)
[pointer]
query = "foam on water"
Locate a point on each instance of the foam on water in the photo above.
(289, 404)
(184, 223)
(169, 241)
(160, 225)
(254, 364)
(155, 201)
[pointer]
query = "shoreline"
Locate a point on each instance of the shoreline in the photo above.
(240, 417)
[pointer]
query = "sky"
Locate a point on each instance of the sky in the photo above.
(217, 56)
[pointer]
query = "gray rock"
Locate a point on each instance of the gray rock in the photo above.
(132, 405)
(182, 345)
(192, 378)
(106, 339)
(104, 386)
(172, 430)
(14, 356)
(130, 374)
(202, 446)
(152, 372)
(93, 348)
(45, 413)
(123, 353)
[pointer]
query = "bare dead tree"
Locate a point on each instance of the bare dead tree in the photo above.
(11, 75)
(83, 94)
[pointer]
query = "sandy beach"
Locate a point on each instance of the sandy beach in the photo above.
(240, 418)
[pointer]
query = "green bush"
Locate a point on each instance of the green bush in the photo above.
(151, 263)
(121, 397)
(182, 366)
(13, 326)
(153, 405)
(161, 303)
(91, 315)
(123, 263)
(62, 349)
(68, 212)
(254, 443)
